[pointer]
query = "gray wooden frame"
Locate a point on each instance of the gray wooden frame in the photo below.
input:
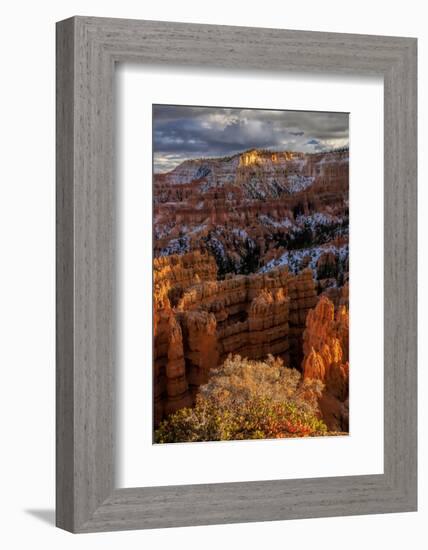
(87, 50)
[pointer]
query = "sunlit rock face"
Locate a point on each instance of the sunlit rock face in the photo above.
(252, 175)
(326, 358)
(252, 315)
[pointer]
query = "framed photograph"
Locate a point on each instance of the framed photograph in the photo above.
(236, 274)
(251, 266)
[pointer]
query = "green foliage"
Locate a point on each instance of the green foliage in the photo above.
(248, 400)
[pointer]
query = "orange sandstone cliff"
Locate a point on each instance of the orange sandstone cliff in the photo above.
(252, 315)
(326, 358)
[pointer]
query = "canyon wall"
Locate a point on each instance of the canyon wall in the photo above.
(249, 210)
(326, 358)
(251, 315)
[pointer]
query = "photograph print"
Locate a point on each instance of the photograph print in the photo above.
(250, 274)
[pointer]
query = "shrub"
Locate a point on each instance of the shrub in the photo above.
(247, 399)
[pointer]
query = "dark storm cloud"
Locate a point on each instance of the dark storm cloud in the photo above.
(181, 132)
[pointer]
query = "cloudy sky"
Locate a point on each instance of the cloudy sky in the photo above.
(181, 132)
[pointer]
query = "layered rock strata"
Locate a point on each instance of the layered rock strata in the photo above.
(247, 209)
(249, 315)
(172, 274)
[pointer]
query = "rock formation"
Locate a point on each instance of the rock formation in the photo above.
(252, 315)
(244, 210)
(177, 387)
(244, 246)
(201, 354)
(326, 358)
(172, 274)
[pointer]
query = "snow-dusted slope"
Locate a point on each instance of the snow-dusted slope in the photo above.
(254, 210)
(260, 174)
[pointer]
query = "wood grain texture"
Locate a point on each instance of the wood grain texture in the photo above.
(64, 276)
(87, 49)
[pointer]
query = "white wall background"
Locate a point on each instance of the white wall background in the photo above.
(27, 272)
